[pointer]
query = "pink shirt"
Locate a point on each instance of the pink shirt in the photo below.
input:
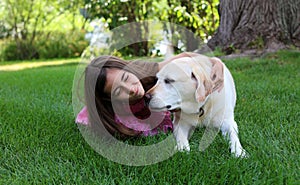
(138, 117)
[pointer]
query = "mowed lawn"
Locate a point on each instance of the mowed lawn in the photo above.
(40, 144)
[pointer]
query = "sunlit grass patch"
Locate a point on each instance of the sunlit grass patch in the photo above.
(16, 66)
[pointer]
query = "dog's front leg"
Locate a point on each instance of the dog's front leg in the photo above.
(230, 130)
(182, 128)
(181, 132)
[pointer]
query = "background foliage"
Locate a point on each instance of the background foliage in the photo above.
(32, 29)
(200, 17)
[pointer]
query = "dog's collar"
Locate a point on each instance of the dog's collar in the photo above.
(201, 112)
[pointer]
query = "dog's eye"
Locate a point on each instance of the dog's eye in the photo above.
(168, 81)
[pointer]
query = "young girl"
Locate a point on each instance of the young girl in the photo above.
(115, 96)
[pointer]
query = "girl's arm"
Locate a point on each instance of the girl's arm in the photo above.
(217, 74)
(185, 54)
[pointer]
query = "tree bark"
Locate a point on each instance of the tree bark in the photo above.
(266, 25)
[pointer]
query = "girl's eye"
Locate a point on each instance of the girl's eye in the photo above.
(117, 91)
(126, 78)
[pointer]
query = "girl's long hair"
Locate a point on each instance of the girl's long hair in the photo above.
(99, 105)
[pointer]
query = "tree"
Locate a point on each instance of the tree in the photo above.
(28, 21)
(266, 25)
(199, 17)
(120, 12)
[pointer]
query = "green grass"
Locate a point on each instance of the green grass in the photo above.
(40, 144)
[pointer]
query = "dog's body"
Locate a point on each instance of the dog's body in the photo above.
(185, 85)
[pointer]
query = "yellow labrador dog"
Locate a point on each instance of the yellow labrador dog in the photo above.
(184, 86)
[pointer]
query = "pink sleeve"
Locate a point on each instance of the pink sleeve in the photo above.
(145, 126)
(82, 117)
(132, 122)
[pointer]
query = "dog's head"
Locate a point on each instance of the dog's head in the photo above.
(182, 84)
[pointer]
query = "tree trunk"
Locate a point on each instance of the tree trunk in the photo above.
(266, 25)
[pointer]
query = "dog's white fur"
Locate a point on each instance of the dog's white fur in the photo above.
(185, 84)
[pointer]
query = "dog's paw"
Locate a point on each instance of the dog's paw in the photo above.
(183, 147)
(241, 153)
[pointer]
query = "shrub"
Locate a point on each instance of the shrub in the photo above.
(53, 45)
(62, 45)
(20, 50)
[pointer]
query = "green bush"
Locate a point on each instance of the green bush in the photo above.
(20, 50)
(54, 45)
(62, 45)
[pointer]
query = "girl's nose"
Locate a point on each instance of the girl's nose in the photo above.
(129, 88)
(132, 90)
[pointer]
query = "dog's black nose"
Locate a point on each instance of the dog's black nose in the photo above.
(168, 106)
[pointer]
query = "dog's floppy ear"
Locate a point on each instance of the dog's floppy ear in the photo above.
(204, 84)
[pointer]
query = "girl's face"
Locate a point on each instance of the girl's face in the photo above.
(123, 85)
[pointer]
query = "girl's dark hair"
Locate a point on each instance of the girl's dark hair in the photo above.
(99, 105)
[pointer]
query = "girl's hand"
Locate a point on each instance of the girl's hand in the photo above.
(185, 54)
(216, 75)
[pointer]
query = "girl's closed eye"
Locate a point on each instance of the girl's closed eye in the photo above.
(117, 91)
(126, 77)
